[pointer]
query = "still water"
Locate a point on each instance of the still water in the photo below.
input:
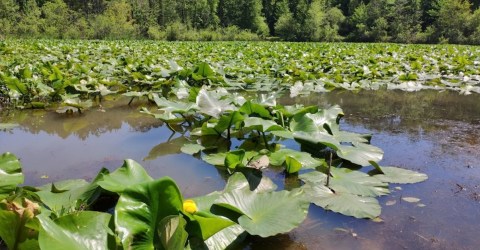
(437, 133)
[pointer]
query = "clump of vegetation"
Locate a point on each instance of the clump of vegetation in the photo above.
(404, 21)
(35, 74)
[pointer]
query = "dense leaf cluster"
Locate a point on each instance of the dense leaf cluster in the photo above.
(404, 21)
(34, 74)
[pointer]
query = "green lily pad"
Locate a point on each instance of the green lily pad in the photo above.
(191, 148)
(129, 174)
(355, 182)
(305, 159)
(400, 176)
(264, 213)
(340, 202)
(262, 125)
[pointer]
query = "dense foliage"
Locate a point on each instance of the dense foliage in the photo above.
(405, 21)
(34, 74)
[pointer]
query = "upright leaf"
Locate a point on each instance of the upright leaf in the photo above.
(10, 174)
(78, 231)
(141, 208)
(130, 173)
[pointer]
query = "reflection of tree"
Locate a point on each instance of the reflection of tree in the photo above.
(447, 118)
(92, 122)
(398, 111)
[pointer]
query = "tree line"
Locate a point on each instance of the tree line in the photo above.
(404, 21)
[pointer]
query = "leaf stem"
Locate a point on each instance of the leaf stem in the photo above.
(328, 169)
(265, 140)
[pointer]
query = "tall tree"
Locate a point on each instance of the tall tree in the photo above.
(272, 10)
(451, 17)
(246, 14)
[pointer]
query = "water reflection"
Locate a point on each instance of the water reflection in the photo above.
(434, 132)
(108, 118)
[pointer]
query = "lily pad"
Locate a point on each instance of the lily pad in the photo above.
(400, 176)
(262, 125)
(130, 173)
(354, 182)
(305, 159)
(344, 203)
(265, 213)
(191, 148)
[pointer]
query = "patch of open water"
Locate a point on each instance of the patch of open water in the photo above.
(433, 132)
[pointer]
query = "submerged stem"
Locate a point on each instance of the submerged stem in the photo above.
(328, 169)
(265, 141)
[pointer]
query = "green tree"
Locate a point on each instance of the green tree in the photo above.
(451, 17)
(56, 19)
(8, 17)
(272, 10)
(369, 21)
(116, 22)
(474, 27)
(29, 20)
(405, 25)
(246, 14)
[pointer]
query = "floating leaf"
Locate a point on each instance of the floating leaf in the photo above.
(191, 149)
(130, 173)
(262, 125)
(265, 213)
(234, 158)
(360, 153)
(217, 159)
(305, 159)
(400, 176)
(344, 203)
(355, 182)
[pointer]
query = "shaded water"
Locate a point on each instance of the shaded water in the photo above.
(437, 133)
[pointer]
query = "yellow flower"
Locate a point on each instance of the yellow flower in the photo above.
(189, 206)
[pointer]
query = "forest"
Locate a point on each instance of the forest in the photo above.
(399, 21)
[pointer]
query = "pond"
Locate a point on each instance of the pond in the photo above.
(437, 133)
